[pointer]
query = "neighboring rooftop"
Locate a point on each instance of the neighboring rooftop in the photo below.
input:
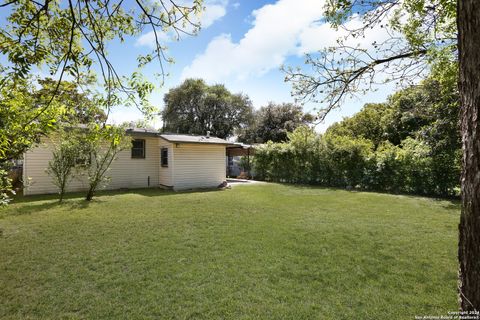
(241, 145)
(185, 138)
(142, 131)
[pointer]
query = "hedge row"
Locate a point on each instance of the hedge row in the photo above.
(342, 161)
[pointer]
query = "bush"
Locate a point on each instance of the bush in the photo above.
(66, 150)
(343, 161)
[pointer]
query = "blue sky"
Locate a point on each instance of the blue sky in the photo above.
(243, 44)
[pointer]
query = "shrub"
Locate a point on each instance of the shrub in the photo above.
(344, 161)
(66, 149)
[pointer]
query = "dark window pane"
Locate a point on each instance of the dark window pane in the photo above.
(138, 143)
(138, 148)
(164, 157)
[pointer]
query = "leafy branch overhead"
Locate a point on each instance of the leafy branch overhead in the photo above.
(71, 38)
(409, 37)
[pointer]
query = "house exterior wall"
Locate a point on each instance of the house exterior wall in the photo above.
(198, 165)
(166, 173)
(35, 164)
(128, 172)
(190, 165)
(125, 172)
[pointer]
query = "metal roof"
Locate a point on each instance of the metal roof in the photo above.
(240, 145)
(185, 138)
(141, 131)
(178, 138)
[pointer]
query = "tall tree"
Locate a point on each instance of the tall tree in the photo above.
(17, 106)
(426, 113)
(422, 34)
(367, 124)
(70, 39)
(469, 79)
(17, 132)
(26, 99)
(273, 123)
(195, 108)
(428, 110)
(414, 35)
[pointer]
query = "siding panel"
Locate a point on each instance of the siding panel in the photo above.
(125, 172)
(166, 173)
(189, 166)
(198, 166)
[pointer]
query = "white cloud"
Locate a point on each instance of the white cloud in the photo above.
(212, 13)
(274, 35)
(214, 10)
(318, 36)
(288, 27)
(148, 39)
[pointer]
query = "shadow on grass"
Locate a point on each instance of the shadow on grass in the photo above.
(76, 200)
(449, 203)
(46, 203)
(147, 192)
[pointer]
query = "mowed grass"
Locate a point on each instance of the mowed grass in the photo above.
(263, 251)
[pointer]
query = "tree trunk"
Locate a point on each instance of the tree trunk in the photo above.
(62, 189)
(469, 85)
(90, 193)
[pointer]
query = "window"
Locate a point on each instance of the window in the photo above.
(164, 157)
(138, 148)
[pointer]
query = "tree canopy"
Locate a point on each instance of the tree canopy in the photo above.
(24, 118)
(80, 104)
(410, 144)
(442, 36)
(427, 111)
(71, 39)
(417, 36)
(423, 115)
(273, 123)
(195, 108)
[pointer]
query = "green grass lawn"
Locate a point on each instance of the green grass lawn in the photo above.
(262, 251)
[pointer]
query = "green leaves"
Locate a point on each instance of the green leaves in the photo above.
(29, 111)
(195, 108)
(68, 148)
(6, 189)
(413, 35)
(71, 39)
(103, 144)
(274, 122)
(408, 144)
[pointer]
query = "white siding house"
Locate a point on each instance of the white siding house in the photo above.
(178, 162)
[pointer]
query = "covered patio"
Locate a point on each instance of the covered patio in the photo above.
(234, 153)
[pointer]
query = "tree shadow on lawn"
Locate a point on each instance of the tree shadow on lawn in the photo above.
(37, 204)
(449, 203)
(76, 200)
